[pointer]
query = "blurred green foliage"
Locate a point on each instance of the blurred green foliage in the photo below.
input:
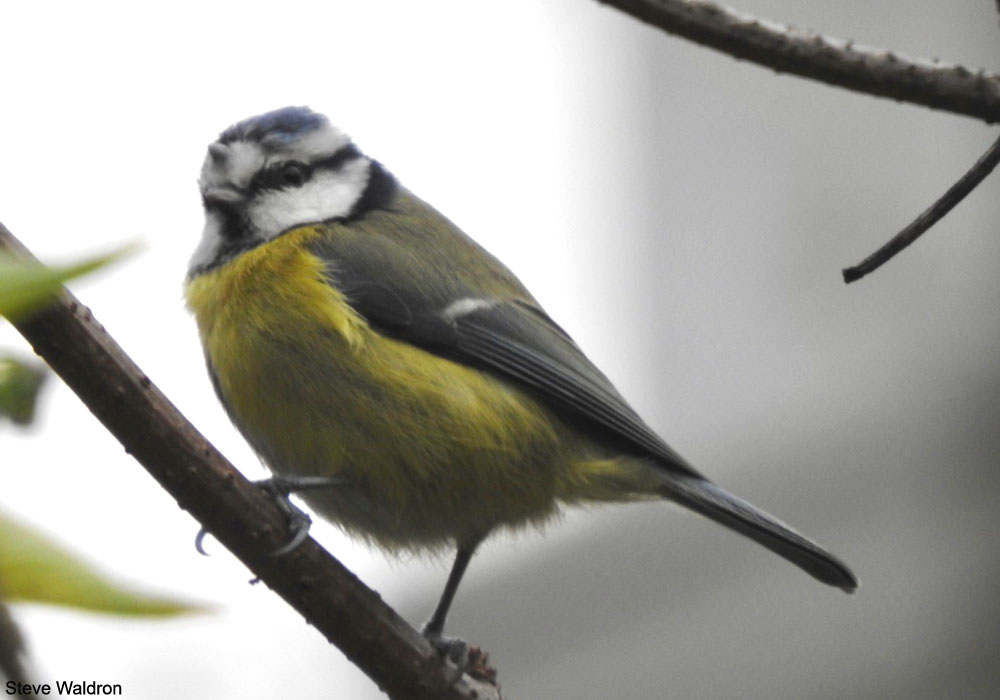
(35, 569)
(20, 382)
(25, 286)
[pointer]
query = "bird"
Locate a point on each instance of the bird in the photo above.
(389, 368)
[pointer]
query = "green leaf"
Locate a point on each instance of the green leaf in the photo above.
(20, 382)
(35, 569)
(26, 286)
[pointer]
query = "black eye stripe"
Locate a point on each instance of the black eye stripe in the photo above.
(271, 177)
(341, 156)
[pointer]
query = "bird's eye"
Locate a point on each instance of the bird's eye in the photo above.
(293, 174)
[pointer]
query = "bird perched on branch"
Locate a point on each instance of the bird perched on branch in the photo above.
(375, 355)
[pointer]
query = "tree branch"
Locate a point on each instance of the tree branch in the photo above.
(955, 194)
(12, 652)
(236, 512)
(807, 54)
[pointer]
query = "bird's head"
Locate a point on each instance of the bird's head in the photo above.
(274, 172)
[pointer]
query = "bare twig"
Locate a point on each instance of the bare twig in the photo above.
(236, 512)
(785, 49)
(955, 194)
(12, 654)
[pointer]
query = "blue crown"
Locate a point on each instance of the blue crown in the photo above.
(285, 124)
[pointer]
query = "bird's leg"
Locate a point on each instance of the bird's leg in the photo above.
(452, 648)
(435, 626)
(299, 522)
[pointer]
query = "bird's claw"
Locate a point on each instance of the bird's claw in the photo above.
(454, 650)
(199, 542)
(299, 522)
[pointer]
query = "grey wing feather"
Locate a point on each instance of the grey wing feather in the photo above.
(519, 341)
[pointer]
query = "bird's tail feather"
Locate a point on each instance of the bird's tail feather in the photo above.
(706, 498)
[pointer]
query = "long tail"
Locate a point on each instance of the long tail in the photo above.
(711, 501)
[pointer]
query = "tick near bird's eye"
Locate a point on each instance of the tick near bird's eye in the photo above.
(293, 174)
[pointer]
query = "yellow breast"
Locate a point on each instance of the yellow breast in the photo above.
(437, 449)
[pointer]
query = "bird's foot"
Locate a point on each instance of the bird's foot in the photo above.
(299, 522)
(467, 659)
(454, 650)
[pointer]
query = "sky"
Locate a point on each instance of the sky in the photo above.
(683, 215)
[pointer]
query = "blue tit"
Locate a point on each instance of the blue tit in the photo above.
(352, 331)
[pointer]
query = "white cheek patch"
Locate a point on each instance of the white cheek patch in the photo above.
(327, 195)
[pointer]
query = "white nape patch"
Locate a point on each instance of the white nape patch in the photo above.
(327, 195)
(466, 305)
